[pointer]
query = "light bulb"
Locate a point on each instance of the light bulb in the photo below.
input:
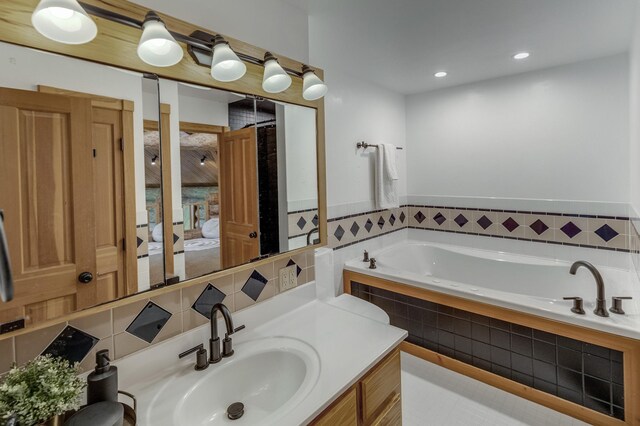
(64, 21)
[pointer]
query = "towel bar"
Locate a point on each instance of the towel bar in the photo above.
(365, 145)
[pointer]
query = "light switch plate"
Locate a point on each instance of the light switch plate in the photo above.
(288, 277)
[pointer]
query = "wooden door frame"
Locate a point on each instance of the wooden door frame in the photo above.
(128, 161)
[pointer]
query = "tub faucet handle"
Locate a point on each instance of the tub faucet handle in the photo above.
(366, 256)
(616, 301)
(577, 305)
(372, 263)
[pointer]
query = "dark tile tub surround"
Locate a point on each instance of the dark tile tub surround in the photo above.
(578, 230)
(576, 371)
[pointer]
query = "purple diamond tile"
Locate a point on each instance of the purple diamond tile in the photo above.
(484, 222)
(402, 217)
(298, 269)
(539, 227)
(368, 225)
(570, 229)
(461, 220)
(315, 220)
(606, 232)
(254, 285)
(420, 217)
(301, 222)
(381, 222)
(392, 219)
(354, 229)
(209, 297)
(339, 232)
(510, 224)
(439, 218)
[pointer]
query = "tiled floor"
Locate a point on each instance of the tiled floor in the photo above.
(434, 396)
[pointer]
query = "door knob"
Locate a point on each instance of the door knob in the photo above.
(85, 277)
(254, 234)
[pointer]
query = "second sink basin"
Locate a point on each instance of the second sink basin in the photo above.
(269, 376)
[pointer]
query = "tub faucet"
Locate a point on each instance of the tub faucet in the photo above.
(214, 341)
(601, 303)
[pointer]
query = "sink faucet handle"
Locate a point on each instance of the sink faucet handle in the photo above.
(616, 301)
(577, 305)
(227, 343)
(201, 356)
(241, 327)
(366, 256)
(372, 263)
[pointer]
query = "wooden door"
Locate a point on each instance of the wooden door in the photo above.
(108, 183)
(47, 194)
(239, 242)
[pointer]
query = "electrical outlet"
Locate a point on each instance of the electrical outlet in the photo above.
(288, 277)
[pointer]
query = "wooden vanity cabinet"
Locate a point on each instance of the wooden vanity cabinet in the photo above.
(373, 401)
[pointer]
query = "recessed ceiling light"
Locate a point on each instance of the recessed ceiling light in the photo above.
(521, 55)
(440, 74)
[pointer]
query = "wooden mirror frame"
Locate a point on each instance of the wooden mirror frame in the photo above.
(116, 45)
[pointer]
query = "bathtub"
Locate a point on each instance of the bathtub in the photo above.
(522, 283)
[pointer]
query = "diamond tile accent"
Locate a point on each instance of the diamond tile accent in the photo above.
(381, 222)
(149, 322)
(139, 241)
(339, 232)
(71, 344)
(461, 220)
(254, 285)
(315, 220)
(368, 225)
(301, 222)
(298, 269)
(539, 227)
(570, 229)
(484, 222)
(402, 217)
(419, 217)
(209, 297)
(175, 238)
(510, 224)
(354, 228)
(392, 219)
(606, 232)
(439, 218)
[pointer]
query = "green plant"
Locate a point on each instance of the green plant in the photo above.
(43, 388)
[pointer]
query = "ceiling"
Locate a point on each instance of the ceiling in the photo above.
(400, 44)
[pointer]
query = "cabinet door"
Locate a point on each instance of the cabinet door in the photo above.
(380, 387)
(342, 413)
(47, 194)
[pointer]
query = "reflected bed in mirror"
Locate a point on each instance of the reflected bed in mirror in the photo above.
(247, 177)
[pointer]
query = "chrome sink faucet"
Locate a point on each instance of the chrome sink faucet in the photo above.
(601, 303)
(214, 342)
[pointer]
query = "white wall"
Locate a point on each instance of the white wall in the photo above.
(634, 116)
(559, 133)
(300, 152)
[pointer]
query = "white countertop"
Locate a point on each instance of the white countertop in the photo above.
(347, 345)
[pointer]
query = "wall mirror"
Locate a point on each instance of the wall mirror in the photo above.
(75, 183)
(244, 178)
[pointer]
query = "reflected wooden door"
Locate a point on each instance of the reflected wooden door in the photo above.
(239, 242)
(47, 194)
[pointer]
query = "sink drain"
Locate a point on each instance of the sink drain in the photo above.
(235, 410)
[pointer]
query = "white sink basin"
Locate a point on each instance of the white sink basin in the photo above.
(269, 376)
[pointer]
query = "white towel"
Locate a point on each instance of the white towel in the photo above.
(386, 177)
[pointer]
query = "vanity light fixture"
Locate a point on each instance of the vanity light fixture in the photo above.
(440, 74)
(521, 55)
(202, 160)
(312, 87)
(157, 46)
(225, 65)
(153, 160)
(275, 79)
(64, 21)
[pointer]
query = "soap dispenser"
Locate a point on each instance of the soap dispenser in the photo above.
(102, 384)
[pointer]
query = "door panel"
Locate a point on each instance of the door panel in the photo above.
(239, 242)
(45, 168)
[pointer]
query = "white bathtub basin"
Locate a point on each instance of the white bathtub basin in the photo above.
(523, 283)
(269, 376)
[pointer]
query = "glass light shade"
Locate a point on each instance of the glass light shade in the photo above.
(312, 87)
(157, 47)
(64, 21)
(226, 66)
(275, 78)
